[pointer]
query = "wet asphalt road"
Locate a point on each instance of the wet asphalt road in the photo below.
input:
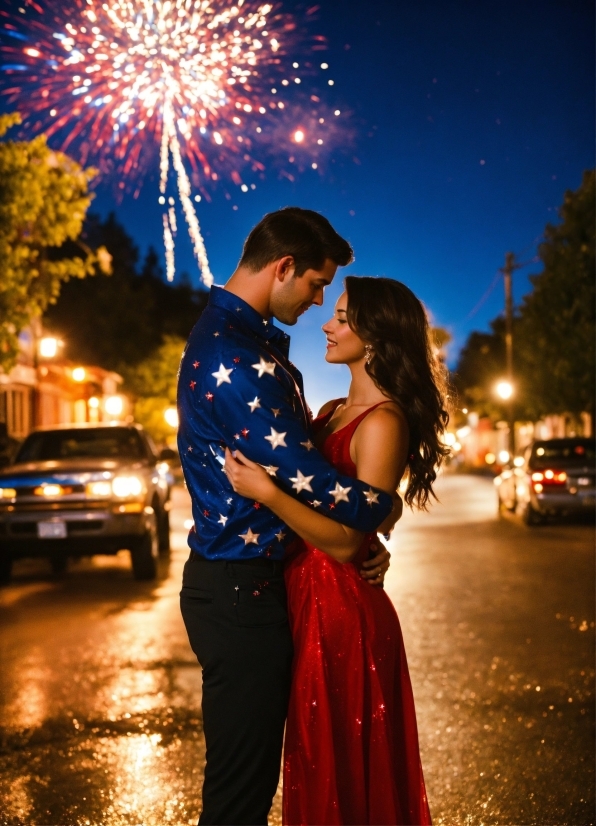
(100, 693)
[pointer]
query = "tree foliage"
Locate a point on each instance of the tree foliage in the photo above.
(152, 383)
(557, 318)
(119, 321)
(44, 197)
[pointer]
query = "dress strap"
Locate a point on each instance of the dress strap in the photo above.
(351, 426)
(326, 416)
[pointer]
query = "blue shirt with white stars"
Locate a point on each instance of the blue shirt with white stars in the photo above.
(237, 388)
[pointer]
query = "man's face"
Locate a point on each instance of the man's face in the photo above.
(293, 295)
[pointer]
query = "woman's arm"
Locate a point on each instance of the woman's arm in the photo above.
(379, 449)
(249, 479)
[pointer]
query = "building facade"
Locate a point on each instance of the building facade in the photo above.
(43, 389)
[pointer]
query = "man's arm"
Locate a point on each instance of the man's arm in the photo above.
(253, 408)
(383, 461)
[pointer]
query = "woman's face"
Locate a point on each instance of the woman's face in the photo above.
(343, 345)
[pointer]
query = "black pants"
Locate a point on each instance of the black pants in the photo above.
(236, 618)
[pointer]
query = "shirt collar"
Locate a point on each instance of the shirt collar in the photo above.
(261, 327)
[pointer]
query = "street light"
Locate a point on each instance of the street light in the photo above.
(170, 414)
(114, 405)
(79, 374)
(504, 390)
(48, 347)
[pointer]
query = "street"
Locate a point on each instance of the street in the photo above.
(100, 692)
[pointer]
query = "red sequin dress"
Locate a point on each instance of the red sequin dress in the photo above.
(351, 748)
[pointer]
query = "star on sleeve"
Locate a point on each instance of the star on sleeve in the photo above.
(372, 497)
(340, 494)
(264, 367)
(223, 375)
(301, 482)
(276, 439)
(256, 402)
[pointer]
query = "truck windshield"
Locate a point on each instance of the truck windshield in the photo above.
(97, 443)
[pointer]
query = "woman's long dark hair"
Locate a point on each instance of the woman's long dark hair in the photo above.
(387, 315)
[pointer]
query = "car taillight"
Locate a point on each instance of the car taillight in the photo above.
(548, 478)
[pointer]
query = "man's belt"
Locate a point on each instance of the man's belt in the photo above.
(274, 566)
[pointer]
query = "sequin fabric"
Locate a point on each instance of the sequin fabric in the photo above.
(351, 749)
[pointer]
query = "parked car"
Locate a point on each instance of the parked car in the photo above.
(554, 476)
(81, 490)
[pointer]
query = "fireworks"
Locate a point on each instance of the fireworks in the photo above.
(199, 78)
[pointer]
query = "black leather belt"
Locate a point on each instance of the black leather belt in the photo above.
(274, 566)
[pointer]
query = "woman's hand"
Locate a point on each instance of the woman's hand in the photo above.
(248, 478)
(373, 570)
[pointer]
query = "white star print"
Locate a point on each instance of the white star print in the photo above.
(222, 519)
(270, 469)
(372, 498)
(308, 445)
(223, 375)
(279, 536)
(249, 537)
(340, 494)
(254, 404)
(229, 501)
(276, 439)
(276, 411)
(301, 482)
(264, 367)
(315, 503)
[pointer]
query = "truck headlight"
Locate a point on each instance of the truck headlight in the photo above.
(127, 486)
(98, 489)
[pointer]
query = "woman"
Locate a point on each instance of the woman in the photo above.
(351, 750)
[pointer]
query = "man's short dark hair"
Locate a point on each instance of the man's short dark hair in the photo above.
(301, 233)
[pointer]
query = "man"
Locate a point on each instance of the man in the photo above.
(238, 388)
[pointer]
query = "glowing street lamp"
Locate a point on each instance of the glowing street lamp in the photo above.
(79, 374)
(48, 347)
(504, 390)
(114, 405)
(171, 416)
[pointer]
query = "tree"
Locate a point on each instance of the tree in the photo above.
(152, 383)
(107, 320)
(43, 201)
(481, 364)
(556, 331)
(118, 322)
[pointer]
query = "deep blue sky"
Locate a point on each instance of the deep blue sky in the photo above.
(471, 118)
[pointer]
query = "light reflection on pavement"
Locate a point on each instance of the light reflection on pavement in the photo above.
(100, 693)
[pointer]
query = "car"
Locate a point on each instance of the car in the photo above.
(553, 477)
(81, 490)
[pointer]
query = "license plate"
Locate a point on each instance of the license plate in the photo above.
(51, 530)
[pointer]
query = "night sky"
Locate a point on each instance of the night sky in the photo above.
(468, 122)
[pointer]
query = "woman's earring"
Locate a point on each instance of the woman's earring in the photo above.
(368, 353)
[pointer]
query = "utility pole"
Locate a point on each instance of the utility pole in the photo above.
(507, 271)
